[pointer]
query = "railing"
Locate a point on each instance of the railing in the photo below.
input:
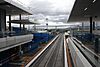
(93, 58)
(14, 41)
(13, 33)
(78, 58)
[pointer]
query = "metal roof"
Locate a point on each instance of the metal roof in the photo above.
(83, 9)
(13, 8)
(21, 21)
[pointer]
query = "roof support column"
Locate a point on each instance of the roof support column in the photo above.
(20, 19)
(2, 20)
(5, 20)
(91, 25)
(94, 25)
(23, 26)
(82, 26)
(9, 23)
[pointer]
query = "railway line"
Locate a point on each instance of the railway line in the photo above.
(53, 56)
(63, 51)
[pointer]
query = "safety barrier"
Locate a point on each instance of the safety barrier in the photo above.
(15, 40)
(65, 53)
(92, 57)
(78, 58)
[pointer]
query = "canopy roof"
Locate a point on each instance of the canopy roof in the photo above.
(13, 8)
(83, 9)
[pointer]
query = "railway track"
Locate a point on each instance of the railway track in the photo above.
(53, 56)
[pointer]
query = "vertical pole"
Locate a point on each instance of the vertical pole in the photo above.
(5, 19)
(23, 26)
(20, 53)
(78, 28)
(71, 31)
(9, 23)
(47, 29)
(47, 32)
(20, 19)
(91, 25)
(34, 28)
(96, 26)
(82, 26)
(20, 48)
(56, 28)
(2, 21)
(82, 30)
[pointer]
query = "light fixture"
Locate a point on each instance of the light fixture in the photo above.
(94, 1)
(85, 9)
(8, 6)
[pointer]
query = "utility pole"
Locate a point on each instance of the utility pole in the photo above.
(47, 28)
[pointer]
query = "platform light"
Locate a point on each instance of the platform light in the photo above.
(94, 1)
(85, 9)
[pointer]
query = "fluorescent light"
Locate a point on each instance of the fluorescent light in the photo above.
(85, 9)
(94, 1)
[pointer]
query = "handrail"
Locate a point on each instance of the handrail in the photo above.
(65, 55)
(9, 42)
(87, 48)
(90, 55)
(13, 33)
(77, 57)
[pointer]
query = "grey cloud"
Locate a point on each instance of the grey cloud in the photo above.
(44, 8)
(40, 7)
(58, 18)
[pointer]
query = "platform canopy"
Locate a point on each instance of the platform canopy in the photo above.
(83, 9)
(22, 22)
(13, 8)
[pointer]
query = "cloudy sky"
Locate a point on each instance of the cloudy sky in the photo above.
(54, 10)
